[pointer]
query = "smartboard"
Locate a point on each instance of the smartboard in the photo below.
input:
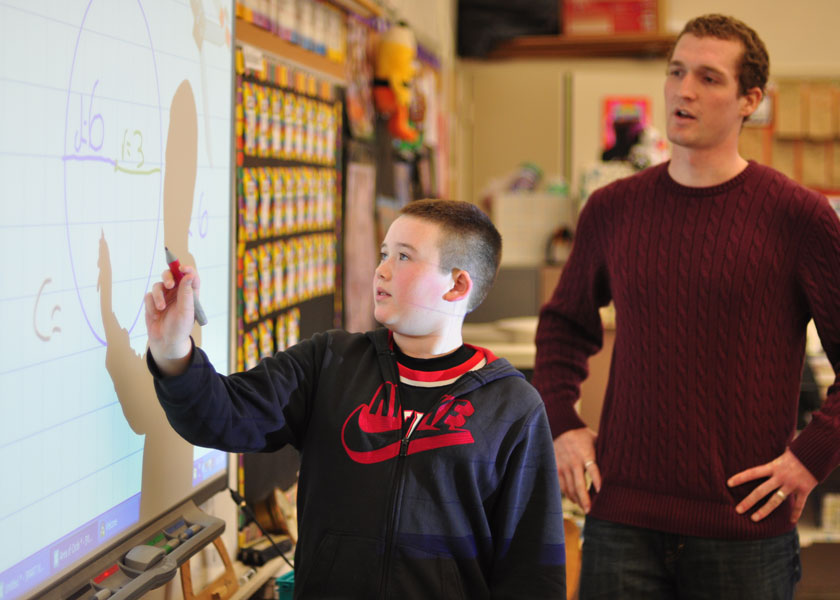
(115, 141)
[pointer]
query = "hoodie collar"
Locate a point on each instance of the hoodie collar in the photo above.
(496, 368)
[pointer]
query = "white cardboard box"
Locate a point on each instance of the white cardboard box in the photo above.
(526, 221)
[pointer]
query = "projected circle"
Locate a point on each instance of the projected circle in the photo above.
(113, 160)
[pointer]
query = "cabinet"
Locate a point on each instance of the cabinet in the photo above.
(653, 45)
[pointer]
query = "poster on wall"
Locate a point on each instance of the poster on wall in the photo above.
(624, 118)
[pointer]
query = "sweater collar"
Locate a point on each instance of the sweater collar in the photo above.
(712, 190)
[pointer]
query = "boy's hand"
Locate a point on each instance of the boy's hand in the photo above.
(575, 454)
(786, 477)
(169, 320)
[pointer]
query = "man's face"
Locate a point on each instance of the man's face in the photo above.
(408, 284)
(704, 109)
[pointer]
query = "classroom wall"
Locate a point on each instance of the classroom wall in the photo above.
(801, 36)
(433, 22)
(511, 111)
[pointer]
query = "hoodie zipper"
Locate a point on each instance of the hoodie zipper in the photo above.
(390, 537)
(388, 366)
(396, 502)
(399, 481)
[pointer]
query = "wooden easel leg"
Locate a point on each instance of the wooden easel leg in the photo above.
(222, 588)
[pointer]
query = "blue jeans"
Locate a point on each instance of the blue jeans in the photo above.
(621, 562)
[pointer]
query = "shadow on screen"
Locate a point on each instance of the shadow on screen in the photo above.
(167, 458)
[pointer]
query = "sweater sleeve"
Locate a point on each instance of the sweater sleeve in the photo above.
(818, 446)
(570, 329)
(527, 519)
(261, 409)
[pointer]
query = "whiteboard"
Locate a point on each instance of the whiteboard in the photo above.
(116, 141)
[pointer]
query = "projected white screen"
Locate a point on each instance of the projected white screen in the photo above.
(116, 141)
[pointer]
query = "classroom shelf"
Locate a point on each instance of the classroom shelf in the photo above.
(594, 46)
(254, 579)
(248, 33)
(363, 8)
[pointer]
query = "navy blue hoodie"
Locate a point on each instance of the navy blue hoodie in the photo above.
(467, 506)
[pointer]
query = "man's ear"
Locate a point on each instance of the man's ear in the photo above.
(750, 101)
(461, 286)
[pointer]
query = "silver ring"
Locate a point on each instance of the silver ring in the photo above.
(781, 494)
(588, 464)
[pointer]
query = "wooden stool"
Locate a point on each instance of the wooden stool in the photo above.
(223, 587)
(573, 545)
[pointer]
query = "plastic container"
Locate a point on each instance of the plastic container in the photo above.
(527, 178)
(285, 586)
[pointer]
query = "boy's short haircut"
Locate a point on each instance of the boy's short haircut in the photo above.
(754, 67)
(469, 241)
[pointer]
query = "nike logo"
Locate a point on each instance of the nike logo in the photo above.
(372, 432)
(376, 417)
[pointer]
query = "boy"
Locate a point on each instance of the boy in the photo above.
(427, 465)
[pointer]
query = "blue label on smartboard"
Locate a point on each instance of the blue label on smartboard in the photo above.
(16, 581)
(74, 546)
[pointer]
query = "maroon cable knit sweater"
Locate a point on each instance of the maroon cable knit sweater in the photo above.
(713, 288)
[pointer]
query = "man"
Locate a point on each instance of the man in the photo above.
(715, 266)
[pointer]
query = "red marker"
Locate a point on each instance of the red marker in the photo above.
(175, 269)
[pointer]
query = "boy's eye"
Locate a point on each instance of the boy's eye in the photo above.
(401, 256)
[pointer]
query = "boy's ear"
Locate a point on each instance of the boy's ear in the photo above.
(461, 286)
